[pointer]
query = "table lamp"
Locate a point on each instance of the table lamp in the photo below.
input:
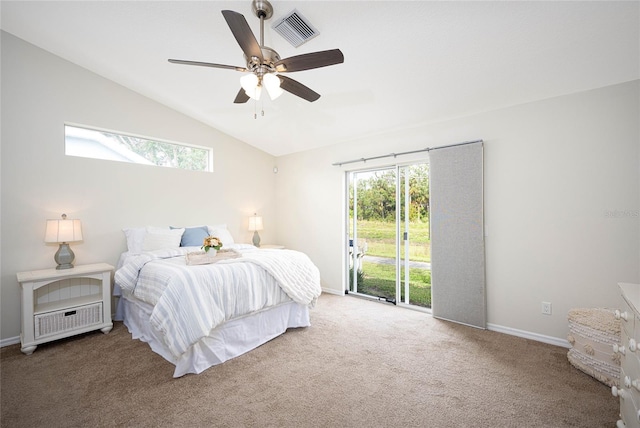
(255, 224)
(62, 232)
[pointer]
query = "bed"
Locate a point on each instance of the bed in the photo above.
(197, 316)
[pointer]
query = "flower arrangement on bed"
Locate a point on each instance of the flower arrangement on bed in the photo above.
(197, 316)
(211, 242)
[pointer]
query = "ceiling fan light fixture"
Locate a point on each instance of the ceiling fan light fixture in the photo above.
(249, 82)
(272, 84)
(251, 85)
(254, 94)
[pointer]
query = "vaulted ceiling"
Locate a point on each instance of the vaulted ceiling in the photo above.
(406, 62)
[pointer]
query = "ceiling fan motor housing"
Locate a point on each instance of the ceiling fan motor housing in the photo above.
(267, 65)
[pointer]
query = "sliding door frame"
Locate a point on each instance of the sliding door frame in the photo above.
(351, 257)
(401, 239)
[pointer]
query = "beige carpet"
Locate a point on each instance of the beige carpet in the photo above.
(360, 364)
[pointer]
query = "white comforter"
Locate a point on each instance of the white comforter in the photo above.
(190, 301)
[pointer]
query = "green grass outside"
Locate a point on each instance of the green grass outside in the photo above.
(379, 280)
(381, 239)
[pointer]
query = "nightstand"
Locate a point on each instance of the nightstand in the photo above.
(63, 303)
(272, 246)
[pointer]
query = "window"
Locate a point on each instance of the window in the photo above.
(109, 145)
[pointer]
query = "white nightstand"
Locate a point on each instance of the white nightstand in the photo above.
(63, 303)
(272, 246)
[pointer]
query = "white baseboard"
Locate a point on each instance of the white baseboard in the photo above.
(500, 329)
(9, 341)
(332, 291)
(529, 335)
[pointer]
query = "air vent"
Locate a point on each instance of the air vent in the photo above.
(295, 28)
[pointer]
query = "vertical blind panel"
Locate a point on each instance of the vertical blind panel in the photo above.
(457, 234)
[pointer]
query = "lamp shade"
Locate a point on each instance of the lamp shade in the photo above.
(272, 83)
(63, 230)
(255, 223)
(251, 85)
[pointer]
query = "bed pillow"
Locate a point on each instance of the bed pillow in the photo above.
(220, 231)
(193, 236)
(135, 238)
(158, 238)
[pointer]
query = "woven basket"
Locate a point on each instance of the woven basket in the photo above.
(592, 334)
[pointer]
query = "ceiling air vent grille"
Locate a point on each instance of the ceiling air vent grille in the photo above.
(295, 28)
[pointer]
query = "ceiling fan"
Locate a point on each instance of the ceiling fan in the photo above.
(264, 63)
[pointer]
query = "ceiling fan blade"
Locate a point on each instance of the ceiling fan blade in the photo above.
(242, 32)
(242, 97)
(297, 88)
(310, 60)
(207, 64)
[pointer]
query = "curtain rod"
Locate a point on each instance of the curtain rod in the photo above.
(405, 153)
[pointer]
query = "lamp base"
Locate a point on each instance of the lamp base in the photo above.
(64, 266)
(256, 239)
(64, 257)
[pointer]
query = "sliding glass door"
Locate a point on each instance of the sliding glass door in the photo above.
(388, 240)
(415, 238)
(372, 233)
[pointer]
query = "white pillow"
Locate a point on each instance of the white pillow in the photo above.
(217, 226)
(221, 232)
(135, 238)
(158, 238)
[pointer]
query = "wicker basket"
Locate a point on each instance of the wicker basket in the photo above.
(68, 319)
(592, 334)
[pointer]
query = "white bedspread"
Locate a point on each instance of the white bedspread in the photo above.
(190, 301)
(293, 270)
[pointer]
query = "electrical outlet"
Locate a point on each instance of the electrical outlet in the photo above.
(546, 308)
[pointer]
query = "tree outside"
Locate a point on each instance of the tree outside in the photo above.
(165, 154)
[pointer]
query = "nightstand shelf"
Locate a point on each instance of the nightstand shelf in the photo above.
(65, 304)
(62, 303)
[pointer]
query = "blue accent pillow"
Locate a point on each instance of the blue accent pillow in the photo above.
(193, 236)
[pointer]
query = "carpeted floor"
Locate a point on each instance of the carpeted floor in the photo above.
(360, 364)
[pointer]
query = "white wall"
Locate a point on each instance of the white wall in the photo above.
(39, 93)
(553, 170)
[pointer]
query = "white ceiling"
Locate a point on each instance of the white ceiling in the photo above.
(406, 62)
